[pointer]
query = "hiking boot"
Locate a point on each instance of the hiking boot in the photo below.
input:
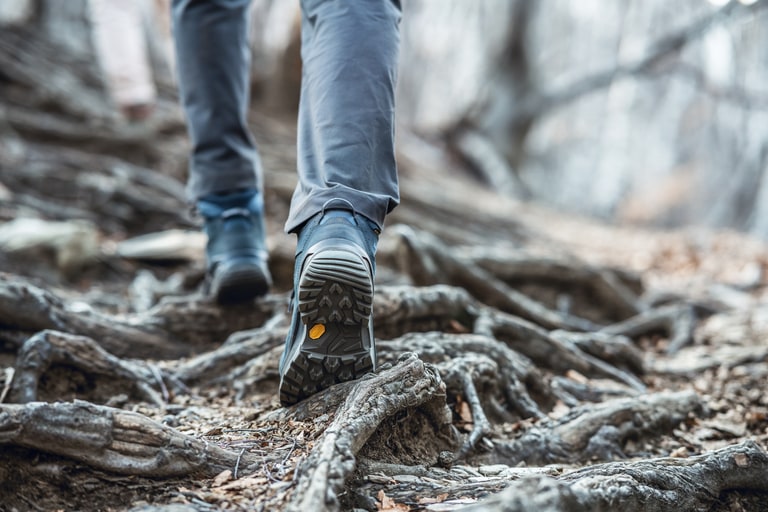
(237, 251)
(331, 336)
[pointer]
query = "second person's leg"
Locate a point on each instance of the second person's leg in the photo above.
(213, 62)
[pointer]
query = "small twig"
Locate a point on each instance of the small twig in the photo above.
(370, 466)
(676, 320)
(264, 430)
(31, 503)
(269, 473)
(293, 447)
(159, 378)
(237, 463)
(286, 457)
(297, 470)
(464, 372)
(481, 426)
(9, 374)
(518, 398)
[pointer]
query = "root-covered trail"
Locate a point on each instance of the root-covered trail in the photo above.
(528, 360)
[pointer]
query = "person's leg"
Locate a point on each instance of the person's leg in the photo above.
(345, 148)
(347, 185)
(213, 63)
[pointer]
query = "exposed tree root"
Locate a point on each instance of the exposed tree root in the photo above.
(429, 261)
(616, 350)
(69, 183)
(616, 292)
(398, 310)
(28, 60)
(515, 380)
(440, 307)
(556, 350)
(174, 328)
(212, 366)
(408, 385)
(201, 323)
(574, 391)
(113, 440)
(496, 370)
(675, 321)
(47, 348)
(695, 359)
(466, 371)
(598, 431)
(27, 307)
(656, 485)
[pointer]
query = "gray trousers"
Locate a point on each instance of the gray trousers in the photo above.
(349, 51)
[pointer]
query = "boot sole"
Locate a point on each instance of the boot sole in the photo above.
(335, 297)
(240, 283)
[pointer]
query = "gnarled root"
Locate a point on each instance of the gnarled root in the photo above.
(655, 485)
(112, 440)
(597, 431)
(47, 348)
(409, 384)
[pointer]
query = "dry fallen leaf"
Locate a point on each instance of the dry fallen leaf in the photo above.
(741, 460)
(679, 452)
(429, 501)
(465, 413)
(222, 478)
(457, 327)
(245, 483)
(576, 376)
(215, 431)
(387, 504)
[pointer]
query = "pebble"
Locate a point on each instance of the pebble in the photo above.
(465, 470)
(493, 469)
(406, 479)
(482, 479)
(379, 479)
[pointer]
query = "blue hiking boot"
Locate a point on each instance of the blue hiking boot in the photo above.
(237, 251)
(331, 336)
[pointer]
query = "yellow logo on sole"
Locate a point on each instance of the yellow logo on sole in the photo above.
(316, 331)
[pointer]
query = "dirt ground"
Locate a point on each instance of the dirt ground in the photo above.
(727, 365)
(403, 464)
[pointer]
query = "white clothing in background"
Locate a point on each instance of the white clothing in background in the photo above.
(120, 41)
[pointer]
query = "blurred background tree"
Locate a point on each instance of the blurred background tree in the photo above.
(652, 112)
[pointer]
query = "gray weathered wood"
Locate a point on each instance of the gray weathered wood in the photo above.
(112, 440)
(654, 485)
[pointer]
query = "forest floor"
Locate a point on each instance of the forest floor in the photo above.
(637, 345)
